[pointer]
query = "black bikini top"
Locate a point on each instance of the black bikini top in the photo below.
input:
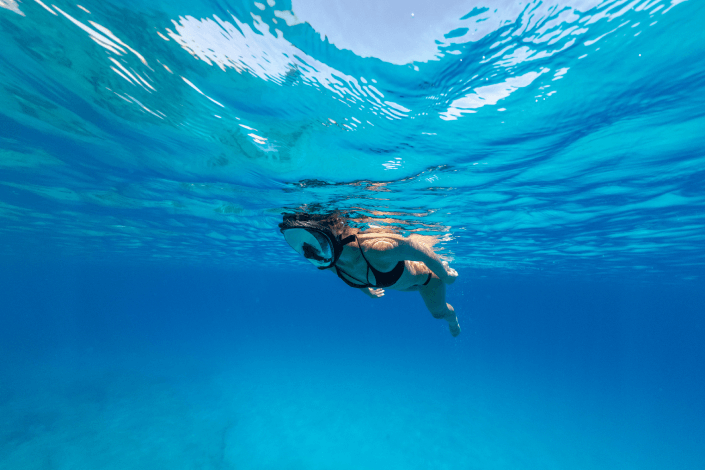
(383, 279)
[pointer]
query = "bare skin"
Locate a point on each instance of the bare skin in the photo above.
(384, 251)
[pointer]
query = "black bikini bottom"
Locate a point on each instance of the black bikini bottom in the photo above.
(428, 280)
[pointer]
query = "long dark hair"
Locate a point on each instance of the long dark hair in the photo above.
(335, 221)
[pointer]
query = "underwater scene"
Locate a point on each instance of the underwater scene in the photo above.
(517, 187)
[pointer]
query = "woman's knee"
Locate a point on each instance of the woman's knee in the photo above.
(439, 314)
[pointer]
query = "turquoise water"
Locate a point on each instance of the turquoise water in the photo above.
(154, 317)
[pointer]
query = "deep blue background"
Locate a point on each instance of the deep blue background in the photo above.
(547, 372)
(643, 331)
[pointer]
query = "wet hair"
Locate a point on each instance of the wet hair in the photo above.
(335, 221)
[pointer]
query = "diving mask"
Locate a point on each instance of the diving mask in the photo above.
(314, 245)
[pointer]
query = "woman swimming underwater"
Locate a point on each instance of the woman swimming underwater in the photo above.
(373, 261)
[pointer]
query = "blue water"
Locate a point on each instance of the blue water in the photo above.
(152, 316)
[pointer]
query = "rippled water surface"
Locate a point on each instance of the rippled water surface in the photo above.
(561, 136)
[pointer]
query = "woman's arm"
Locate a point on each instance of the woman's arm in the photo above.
(392, 250)
(413, 250)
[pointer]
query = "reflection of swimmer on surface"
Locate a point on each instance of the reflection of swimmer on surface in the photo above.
(373, 260)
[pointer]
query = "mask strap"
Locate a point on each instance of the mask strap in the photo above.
(338, 247)
(347, 240)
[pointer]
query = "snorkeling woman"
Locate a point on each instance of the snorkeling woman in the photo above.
(373, 261)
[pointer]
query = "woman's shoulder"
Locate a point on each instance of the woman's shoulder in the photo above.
(379, 241)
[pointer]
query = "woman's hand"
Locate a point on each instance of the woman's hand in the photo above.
(374, 293)
(451, 274)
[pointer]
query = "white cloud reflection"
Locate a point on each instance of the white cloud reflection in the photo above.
(488, 95)
(388, 31)
(11, 5)
(256, 50)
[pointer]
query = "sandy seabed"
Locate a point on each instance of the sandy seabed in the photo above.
(311, 412)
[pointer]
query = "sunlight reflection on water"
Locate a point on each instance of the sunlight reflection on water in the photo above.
(546, 136)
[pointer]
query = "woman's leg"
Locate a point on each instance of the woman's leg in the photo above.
(434, 296)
